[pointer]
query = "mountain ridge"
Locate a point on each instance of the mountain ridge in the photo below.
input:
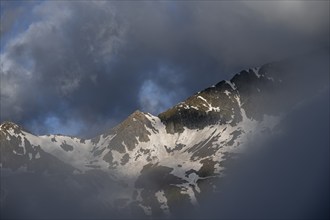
(156, 164)
(149, 156)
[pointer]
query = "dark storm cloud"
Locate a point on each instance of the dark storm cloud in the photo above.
(59, 67)
(81, 67)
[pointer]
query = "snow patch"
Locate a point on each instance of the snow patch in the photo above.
(194, 107)
(256, 71)
(200, 97)
(227, 92)
(232, 85)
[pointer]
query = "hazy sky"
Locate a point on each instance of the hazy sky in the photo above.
(79, 67)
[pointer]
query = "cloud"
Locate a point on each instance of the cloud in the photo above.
(8, 19)
(285, 177)
(157, 95)
(153, 98)
(96, 62)
(43, 67)
(55, 125)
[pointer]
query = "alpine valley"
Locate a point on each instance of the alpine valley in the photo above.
(153, 166)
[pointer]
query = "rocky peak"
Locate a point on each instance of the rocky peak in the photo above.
(128, 134)
(258, 89)
(137, 116)
(7, 126)
(252, 90)
(137, 119)
(217, 104)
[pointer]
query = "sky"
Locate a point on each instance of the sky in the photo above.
(81, 67)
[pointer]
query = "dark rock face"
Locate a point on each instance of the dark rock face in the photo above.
(125, 159)
(66, 146)
(253, 90)
(135, 125)
(214, 105)
(258, 91)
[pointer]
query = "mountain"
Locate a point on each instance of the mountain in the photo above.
(151, 165)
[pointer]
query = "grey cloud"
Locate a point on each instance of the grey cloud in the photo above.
(96, 62)
(11, 16)
(8, 19)
(158, 93)
(44, 68)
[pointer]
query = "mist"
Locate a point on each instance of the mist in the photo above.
(80, 68)
(286, 177)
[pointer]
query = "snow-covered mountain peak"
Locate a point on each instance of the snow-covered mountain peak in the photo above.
(223, 103)
(150, 164)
